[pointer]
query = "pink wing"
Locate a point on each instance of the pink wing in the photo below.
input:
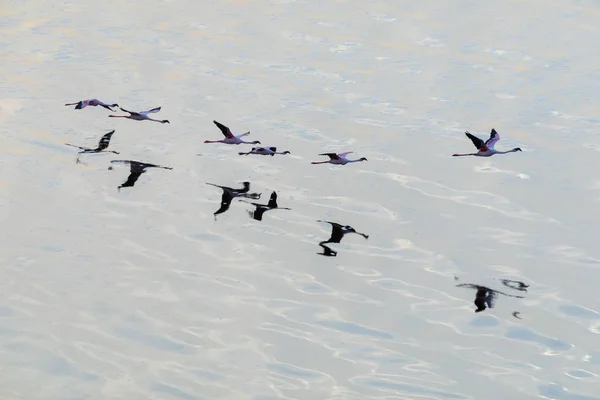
(344, 154)
(494, 137)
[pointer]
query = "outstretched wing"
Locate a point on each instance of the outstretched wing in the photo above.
(225, 130)
(133, 177)
(494, 137)
(476, 141)
(344, 154)
(333, 156)
(273, 149)
(273, 200)
(220, 187)
(104, 142)
(225, 202)
(154, 110)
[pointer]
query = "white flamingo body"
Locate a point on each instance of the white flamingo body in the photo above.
(339, 159)
(264, 151)
(230, 138)
(92, 103)
(141, 116)
(485, 149)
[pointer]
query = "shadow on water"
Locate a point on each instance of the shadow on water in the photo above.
(257, 214)
(337, 233)
(486, 297)
(230, 193)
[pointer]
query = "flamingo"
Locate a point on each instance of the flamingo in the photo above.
(230, 193)
(141, 116)
(92, 103)
(136, 169)
(229, 137)
(262, 208)
(339, 159)
(485, 149)
(265, 151)
(102, 145)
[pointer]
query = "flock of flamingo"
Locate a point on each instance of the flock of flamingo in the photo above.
(484, 296)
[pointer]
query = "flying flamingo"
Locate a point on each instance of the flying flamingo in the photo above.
(229, 137)
(485, 149)
(265, 151)
(102, 146)
(339, 159)
(141, 116)
(92, 103)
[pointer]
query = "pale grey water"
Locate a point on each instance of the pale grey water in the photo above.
(142, 295)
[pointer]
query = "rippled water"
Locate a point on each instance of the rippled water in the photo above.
(141, 294)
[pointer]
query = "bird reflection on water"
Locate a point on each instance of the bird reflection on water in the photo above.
(230, 193)
(136, 169)
(337, 233)
(260, 209)
(485, 297)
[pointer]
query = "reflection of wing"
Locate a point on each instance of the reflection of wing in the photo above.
(476, 141)
(327, 251)
(258, 213)
(494, 137)
(225, 130)
(132, 178)
(273, 200)
(104, 142)
(154, 110)
(225, 202)
(336, 231)
(517, 285)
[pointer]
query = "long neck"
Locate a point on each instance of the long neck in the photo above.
(354, 160)
(508, 151)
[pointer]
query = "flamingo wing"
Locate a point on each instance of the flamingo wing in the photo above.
(154, 110)
(273, 149)
(344, 154)
(104, 142)
(476, 141)
(494, 137)
(225, 130)
(333, 156)
(133, 177)
(273, 200)
(127, 111)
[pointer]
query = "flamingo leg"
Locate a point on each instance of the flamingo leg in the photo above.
(462, 155)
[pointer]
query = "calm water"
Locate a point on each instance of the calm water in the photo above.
(142, 295)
